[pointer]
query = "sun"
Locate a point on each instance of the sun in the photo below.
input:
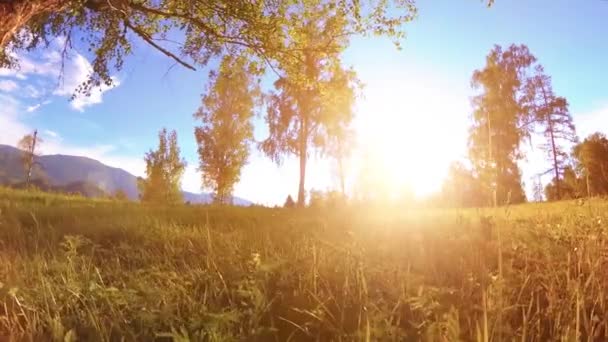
(409, 136)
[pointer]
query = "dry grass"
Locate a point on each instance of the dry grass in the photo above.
(72, 269)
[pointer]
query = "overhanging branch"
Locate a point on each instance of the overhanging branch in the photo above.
(148, 39)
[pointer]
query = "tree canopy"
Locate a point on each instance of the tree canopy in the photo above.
(591, 157)
(29, 146)
(164, 170)
(502, 118)
(226, 131)
(314, 93)
(188, 31)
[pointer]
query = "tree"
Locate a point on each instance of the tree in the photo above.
(205, 28)
(289, 203)
(164, 170)
(29, 146)
(591, 157)
(314, 93)
(552, 113)
(224, 137)
(571, 186)
(501, 120)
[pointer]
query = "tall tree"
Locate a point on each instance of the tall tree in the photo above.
(226, 131)
(205, 28)
(502, 118)
(164, 170)
(591, 157)
(29, 146)
(552, 113)
(314, 92)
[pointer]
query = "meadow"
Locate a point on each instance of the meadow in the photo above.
(75, 269)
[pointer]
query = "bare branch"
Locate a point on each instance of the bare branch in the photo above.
(150, 41)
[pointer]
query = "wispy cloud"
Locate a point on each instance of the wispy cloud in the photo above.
(32, 108)
(8, 86)
(41, 71)
(35, 107)
(52, 134)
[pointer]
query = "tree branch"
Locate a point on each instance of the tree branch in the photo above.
(149, 40)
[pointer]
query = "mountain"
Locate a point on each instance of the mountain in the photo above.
(80, 174)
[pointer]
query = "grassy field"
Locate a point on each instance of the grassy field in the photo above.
(77, 269)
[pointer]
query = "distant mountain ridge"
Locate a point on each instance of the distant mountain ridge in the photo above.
(63, 171)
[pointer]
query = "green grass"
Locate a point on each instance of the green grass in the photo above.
(76, 269)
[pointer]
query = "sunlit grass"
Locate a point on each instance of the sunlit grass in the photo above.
(101, 270)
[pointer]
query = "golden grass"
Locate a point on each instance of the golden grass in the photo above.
(72, 268)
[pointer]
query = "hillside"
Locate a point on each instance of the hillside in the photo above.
(65, 171)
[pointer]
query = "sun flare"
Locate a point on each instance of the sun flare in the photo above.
(409, 135)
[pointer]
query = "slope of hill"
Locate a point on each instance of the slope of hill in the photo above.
(74, 172)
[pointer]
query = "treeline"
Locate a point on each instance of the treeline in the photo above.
(311, 107)
(584, 174)
(515, 102)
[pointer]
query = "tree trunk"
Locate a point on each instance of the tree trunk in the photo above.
(341, 168)
(495, 187)
(555, 167)
(553, 148)
(303, 150)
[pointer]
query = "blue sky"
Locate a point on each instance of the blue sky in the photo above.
(414, 112)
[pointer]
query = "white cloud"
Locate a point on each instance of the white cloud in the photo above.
(44, 70)
(52, 134)
(81, 101)
(33, 108)
(8, 85)
(77, 73)
(28, 66)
